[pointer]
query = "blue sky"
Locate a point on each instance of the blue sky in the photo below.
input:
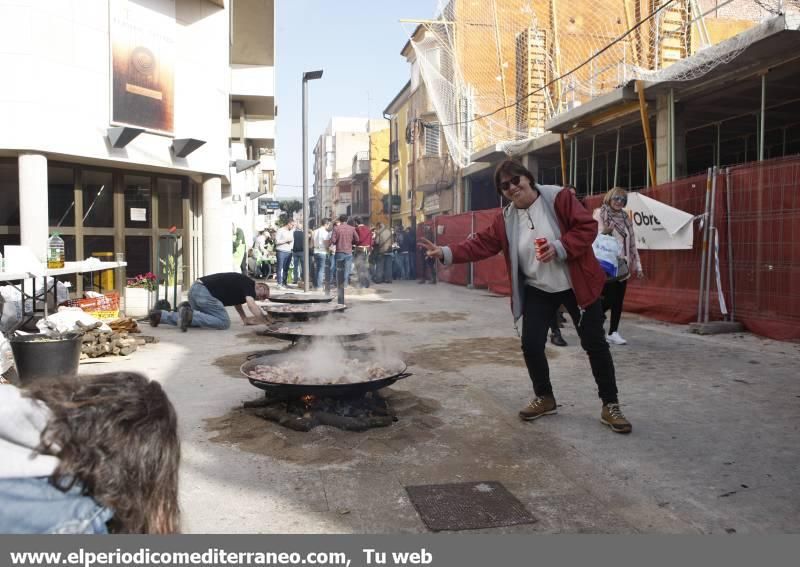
(357, 43)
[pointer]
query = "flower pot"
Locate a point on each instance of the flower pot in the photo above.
(39, 357)
(138, 301)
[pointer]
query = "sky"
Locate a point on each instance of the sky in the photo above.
(357, 44)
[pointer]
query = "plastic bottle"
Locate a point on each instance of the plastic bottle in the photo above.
(55, 252)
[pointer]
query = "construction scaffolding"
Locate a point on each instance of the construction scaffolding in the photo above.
(498, 70)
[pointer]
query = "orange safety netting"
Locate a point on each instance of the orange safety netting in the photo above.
(764, 242)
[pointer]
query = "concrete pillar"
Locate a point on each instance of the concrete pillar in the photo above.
(664, 144)
(216, 234)
(33, 215)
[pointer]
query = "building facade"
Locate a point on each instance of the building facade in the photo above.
(126, 120)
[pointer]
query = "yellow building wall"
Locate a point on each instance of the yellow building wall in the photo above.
(404, 156)
(378, 174)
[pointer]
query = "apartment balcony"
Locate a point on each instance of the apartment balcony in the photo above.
(432, 173)
(361, 163)
(394, 154)
(254, 87)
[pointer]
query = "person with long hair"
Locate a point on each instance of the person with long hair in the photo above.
(92, 454)
(612, 219)
(542, 276)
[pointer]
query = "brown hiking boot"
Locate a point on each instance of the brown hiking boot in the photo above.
(613, 417)
(538, 407)
(155, 317)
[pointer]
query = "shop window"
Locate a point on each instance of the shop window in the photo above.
(98, 199)
(60, 196)
(138, 201)
(170, 203)
(138, 251)
(9, 194)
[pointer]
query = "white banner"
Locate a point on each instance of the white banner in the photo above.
(658, 226)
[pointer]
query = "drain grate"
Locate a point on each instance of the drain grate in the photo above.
(467, 506)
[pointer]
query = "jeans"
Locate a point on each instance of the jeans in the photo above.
(361, 264)
(297, 266)
(383, 272)
(207, 310)
(348, 265)
(34, 506)
(540, 309)
(320, 259)
(284, 258)
(403, 260)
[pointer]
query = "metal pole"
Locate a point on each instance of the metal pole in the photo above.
(761, 123)
(591, 182)
(719, 144)
(471, 264)
(704, 250)
(672, 160)
(305, 184)
(575, 165)
(616, 159)
(730, 243)
(711, 236)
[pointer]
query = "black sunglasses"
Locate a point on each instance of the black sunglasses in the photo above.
(623, 200)
(506, 185)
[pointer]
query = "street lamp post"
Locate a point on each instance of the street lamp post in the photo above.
(307, 76)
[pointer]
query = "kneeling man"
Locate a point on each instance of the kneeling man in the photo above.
(208, 298)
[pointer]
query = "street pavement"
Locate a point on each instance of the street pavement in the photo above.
(713, 449)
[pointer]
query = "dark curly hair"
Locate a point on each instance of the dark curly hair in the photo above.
(116, 434)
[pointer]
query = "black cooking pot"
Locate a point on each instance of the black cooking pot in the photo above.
(323, 390)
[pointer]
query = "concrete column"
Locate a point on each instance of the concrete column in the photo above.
(664, 144)
(33, 215)
(216, 234)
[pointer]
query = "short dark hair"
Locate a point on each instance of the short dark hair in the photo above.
(326, 220)
(357, 220)
(511, 168)
(342, 218)
(117, 435)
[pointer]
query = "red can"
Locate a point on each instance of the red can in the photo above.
(539, 243)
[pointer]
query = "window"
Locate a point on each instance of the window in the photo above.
(60, 196)
(432, 140)
(170, 203)
(98, 199)
(138, 200)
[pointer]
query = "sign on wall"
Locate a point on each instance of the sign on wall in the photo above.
(142, 63)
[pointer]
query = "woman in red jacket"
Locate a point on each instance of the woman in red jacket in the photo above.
(562, 271)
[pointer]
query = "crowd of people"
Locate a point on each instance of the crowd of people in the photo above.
(369, 254)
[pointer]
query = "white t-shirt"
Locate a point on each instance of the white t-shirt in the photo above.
(284, 240)
(551, 276)
(320, 236)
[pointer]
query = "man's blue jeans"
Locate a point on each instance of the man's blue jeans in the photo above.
(297, 266)
(284, 258)
(207, 310)
(348, 265)
(402, 257)
(319, 260)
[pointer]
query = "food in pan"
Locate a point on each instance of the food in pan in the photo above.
(354, 371)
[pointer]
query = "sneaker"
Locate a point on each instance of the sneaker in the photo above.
(184, 316)
(558, 340)
(155, 317)
(616, 339)
(538, 407)
(613, 417)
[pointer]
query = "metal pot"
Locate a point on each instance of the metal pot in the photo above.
(330, 390)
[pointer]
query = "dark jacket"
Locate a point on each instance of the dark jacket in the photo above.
(578, 230)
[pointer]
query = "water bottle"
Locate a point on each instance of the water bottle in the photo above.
(55, 252)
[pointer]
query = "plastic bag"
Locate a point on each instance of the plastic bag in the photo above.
(606, 250)
(6, 356)
(11, 312)
(66, 320)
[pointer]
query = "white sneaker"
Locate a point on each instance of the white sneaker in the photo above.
(616, 339)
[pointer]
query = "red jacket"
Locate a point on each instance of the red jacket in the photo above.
(578, 232)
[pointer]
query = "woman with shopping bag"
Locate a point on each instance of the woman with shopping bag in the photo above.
(612, 220)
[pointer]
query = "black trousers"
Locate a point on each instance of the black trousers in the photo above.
(613, 298)
(540, 309)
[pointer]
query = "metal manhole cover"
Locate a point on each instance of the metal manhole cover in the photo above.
(467, 506)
